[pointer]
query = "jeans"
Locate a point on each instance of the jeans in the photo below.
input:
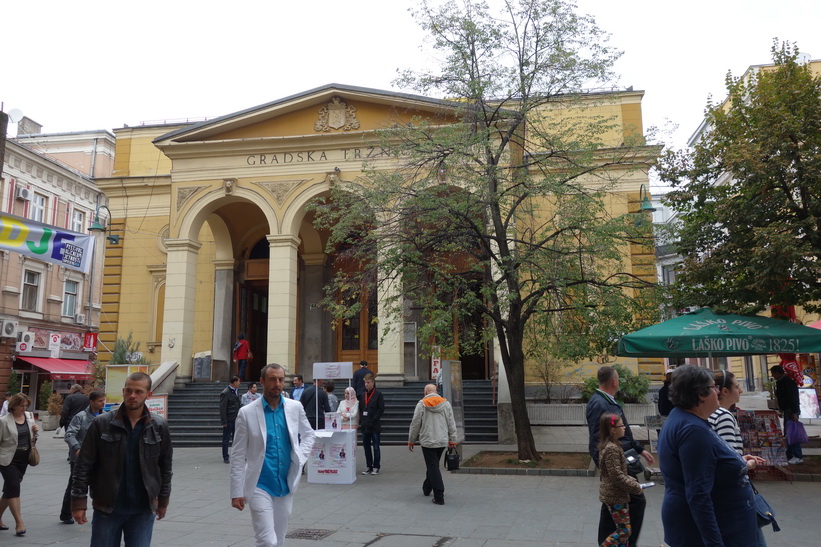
(373, 454)
(227, 438)
(135, 528)
(607, 526)
(794, 451)
(433, 476)
(241, 364)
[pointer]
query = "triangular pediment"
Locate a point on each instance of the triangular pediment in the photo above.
(326, 110)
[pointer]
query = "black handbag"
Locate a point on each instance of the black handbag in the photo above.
(634, 465)
(452, 459)
(765, 513)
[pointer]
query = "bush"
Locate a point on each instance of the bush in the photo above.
(44, 395)
(632, 388)
(14, 382)
(55, 404)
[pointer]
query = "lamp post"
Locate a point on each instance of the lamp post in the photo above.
(95, 228)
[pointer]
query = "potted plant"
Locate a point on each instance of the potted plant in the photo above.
(54, 407)
(772, 402)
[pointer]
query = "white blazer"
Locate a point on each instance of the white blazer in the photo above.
(8, 437)
(250, 437)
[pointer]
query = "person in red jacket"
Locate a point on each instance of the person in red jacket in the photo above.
(242, 353)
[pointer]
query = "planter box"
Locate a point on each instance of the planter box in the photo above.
(772, 404)
(50, 423)
(573, 414)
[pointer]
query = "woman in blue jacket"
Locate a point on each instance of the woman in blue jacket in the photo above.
(708, 500)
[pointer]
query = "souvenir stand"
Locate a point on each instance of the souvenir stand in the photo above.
(762, 436)
(333, 456)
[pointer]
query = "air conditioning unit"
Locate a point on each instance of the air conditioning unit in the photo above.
(80, 318)
(26, 336)
(8, 328)
(22, 193)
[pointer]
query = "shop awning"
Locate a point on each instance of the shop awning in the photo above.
(61, 369)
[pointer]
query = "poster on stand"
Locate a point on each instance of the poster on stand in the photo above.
(333, 458)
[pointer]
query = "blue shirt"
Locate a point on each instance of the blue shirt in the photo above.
(274, 476)
(297, 392)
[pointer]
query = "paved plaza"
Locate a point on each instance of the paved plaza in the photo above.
(389, 510)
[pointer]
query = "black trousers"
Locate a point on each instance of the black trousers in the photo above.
(65, 510)
(433, 474)
(607, 526)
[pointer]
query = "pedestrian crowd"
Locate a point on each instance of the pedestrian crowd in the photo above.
(122, 459)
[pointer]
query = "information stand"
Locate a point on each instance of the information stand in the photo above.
(333, 456)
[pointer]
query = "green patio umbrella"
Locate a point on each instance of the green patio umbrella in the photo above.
(705, 333)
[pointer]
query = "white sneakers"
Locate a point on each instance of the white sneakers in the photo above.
(371, 471)
(794, 461)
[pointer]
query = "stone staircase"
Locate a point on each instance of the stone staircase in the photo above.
(193, 412)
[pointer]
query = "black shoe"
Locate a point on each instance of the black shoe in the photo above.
(426, 490)
(375, 471)
(21, 533)
(3, 527)
(367, 471)
(67, 521)
(438, 501)
(226, 460)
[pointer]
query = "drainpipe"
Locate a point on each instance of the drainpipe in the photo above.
(93, 157)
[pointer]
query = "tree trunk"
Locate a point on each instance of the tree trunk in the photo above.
(516, 382)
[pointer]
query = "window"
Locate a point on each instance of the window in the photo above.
(78, 221)
(70, 289)
(31, 291)
(38, 208)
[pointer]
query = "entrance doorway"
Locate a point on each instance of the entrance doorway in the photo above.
(357, 338)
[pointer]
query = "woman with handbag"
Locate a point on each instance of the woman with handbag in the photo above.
(724, 423)
(18, 435)
(708, 499)
(616, 485)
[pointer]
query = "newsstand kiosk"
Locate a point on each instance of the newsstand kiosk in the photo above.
(333, 457)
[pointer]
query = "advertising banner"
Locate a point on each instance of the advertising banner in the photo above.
(47, 243)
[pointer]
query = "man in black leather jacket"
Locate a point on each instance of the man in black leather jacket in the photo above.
(126, 461)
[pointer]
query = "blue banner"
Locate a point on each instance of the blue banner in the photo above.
(46, 243)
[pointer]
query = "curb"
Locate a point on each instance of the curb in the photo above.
(519, 471)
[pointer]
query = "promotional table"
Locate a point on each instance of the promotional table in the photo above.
(333, 457)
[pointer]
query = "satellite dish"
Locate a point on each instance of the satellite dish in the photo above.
(15, 115)
(802, 59)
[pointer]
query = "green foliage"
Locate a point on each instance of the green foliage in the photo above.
(98, 373)
(44, 395)
(125, 352)
(14, 382)
(632, 388)
(748, 193)
(490, 212)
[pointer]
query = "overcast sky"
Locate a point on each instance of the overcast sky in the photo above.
(75, 65)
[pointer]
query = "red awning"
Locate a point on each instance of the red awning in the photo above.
(61, 369)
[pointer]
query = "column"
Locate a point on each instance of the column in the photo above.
(282, 287)
(391, 335)
(222, 337)
(180, 293)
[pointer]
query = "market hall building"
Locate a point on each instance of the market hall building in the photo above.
(216, 237)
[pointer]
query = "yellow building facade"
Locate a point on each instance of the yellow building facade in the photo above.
(217, 238)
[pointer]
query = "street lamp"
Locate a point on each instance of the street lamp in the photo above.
(644, 197)
(96, 226)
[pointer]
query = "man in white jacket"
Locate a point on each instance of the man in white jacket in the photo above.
(272, 442)
(435, 429)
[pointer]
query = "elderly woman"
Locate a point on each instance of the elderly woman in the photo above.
(708, 499)
(17, 433)
(349, 409)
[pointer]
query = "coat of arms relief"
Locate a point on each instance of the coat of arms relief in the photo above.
(337, 115)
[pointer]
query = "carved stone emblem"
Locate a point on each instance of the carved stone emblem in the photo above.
(335, 115)
(281, 189)
(184, 193)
